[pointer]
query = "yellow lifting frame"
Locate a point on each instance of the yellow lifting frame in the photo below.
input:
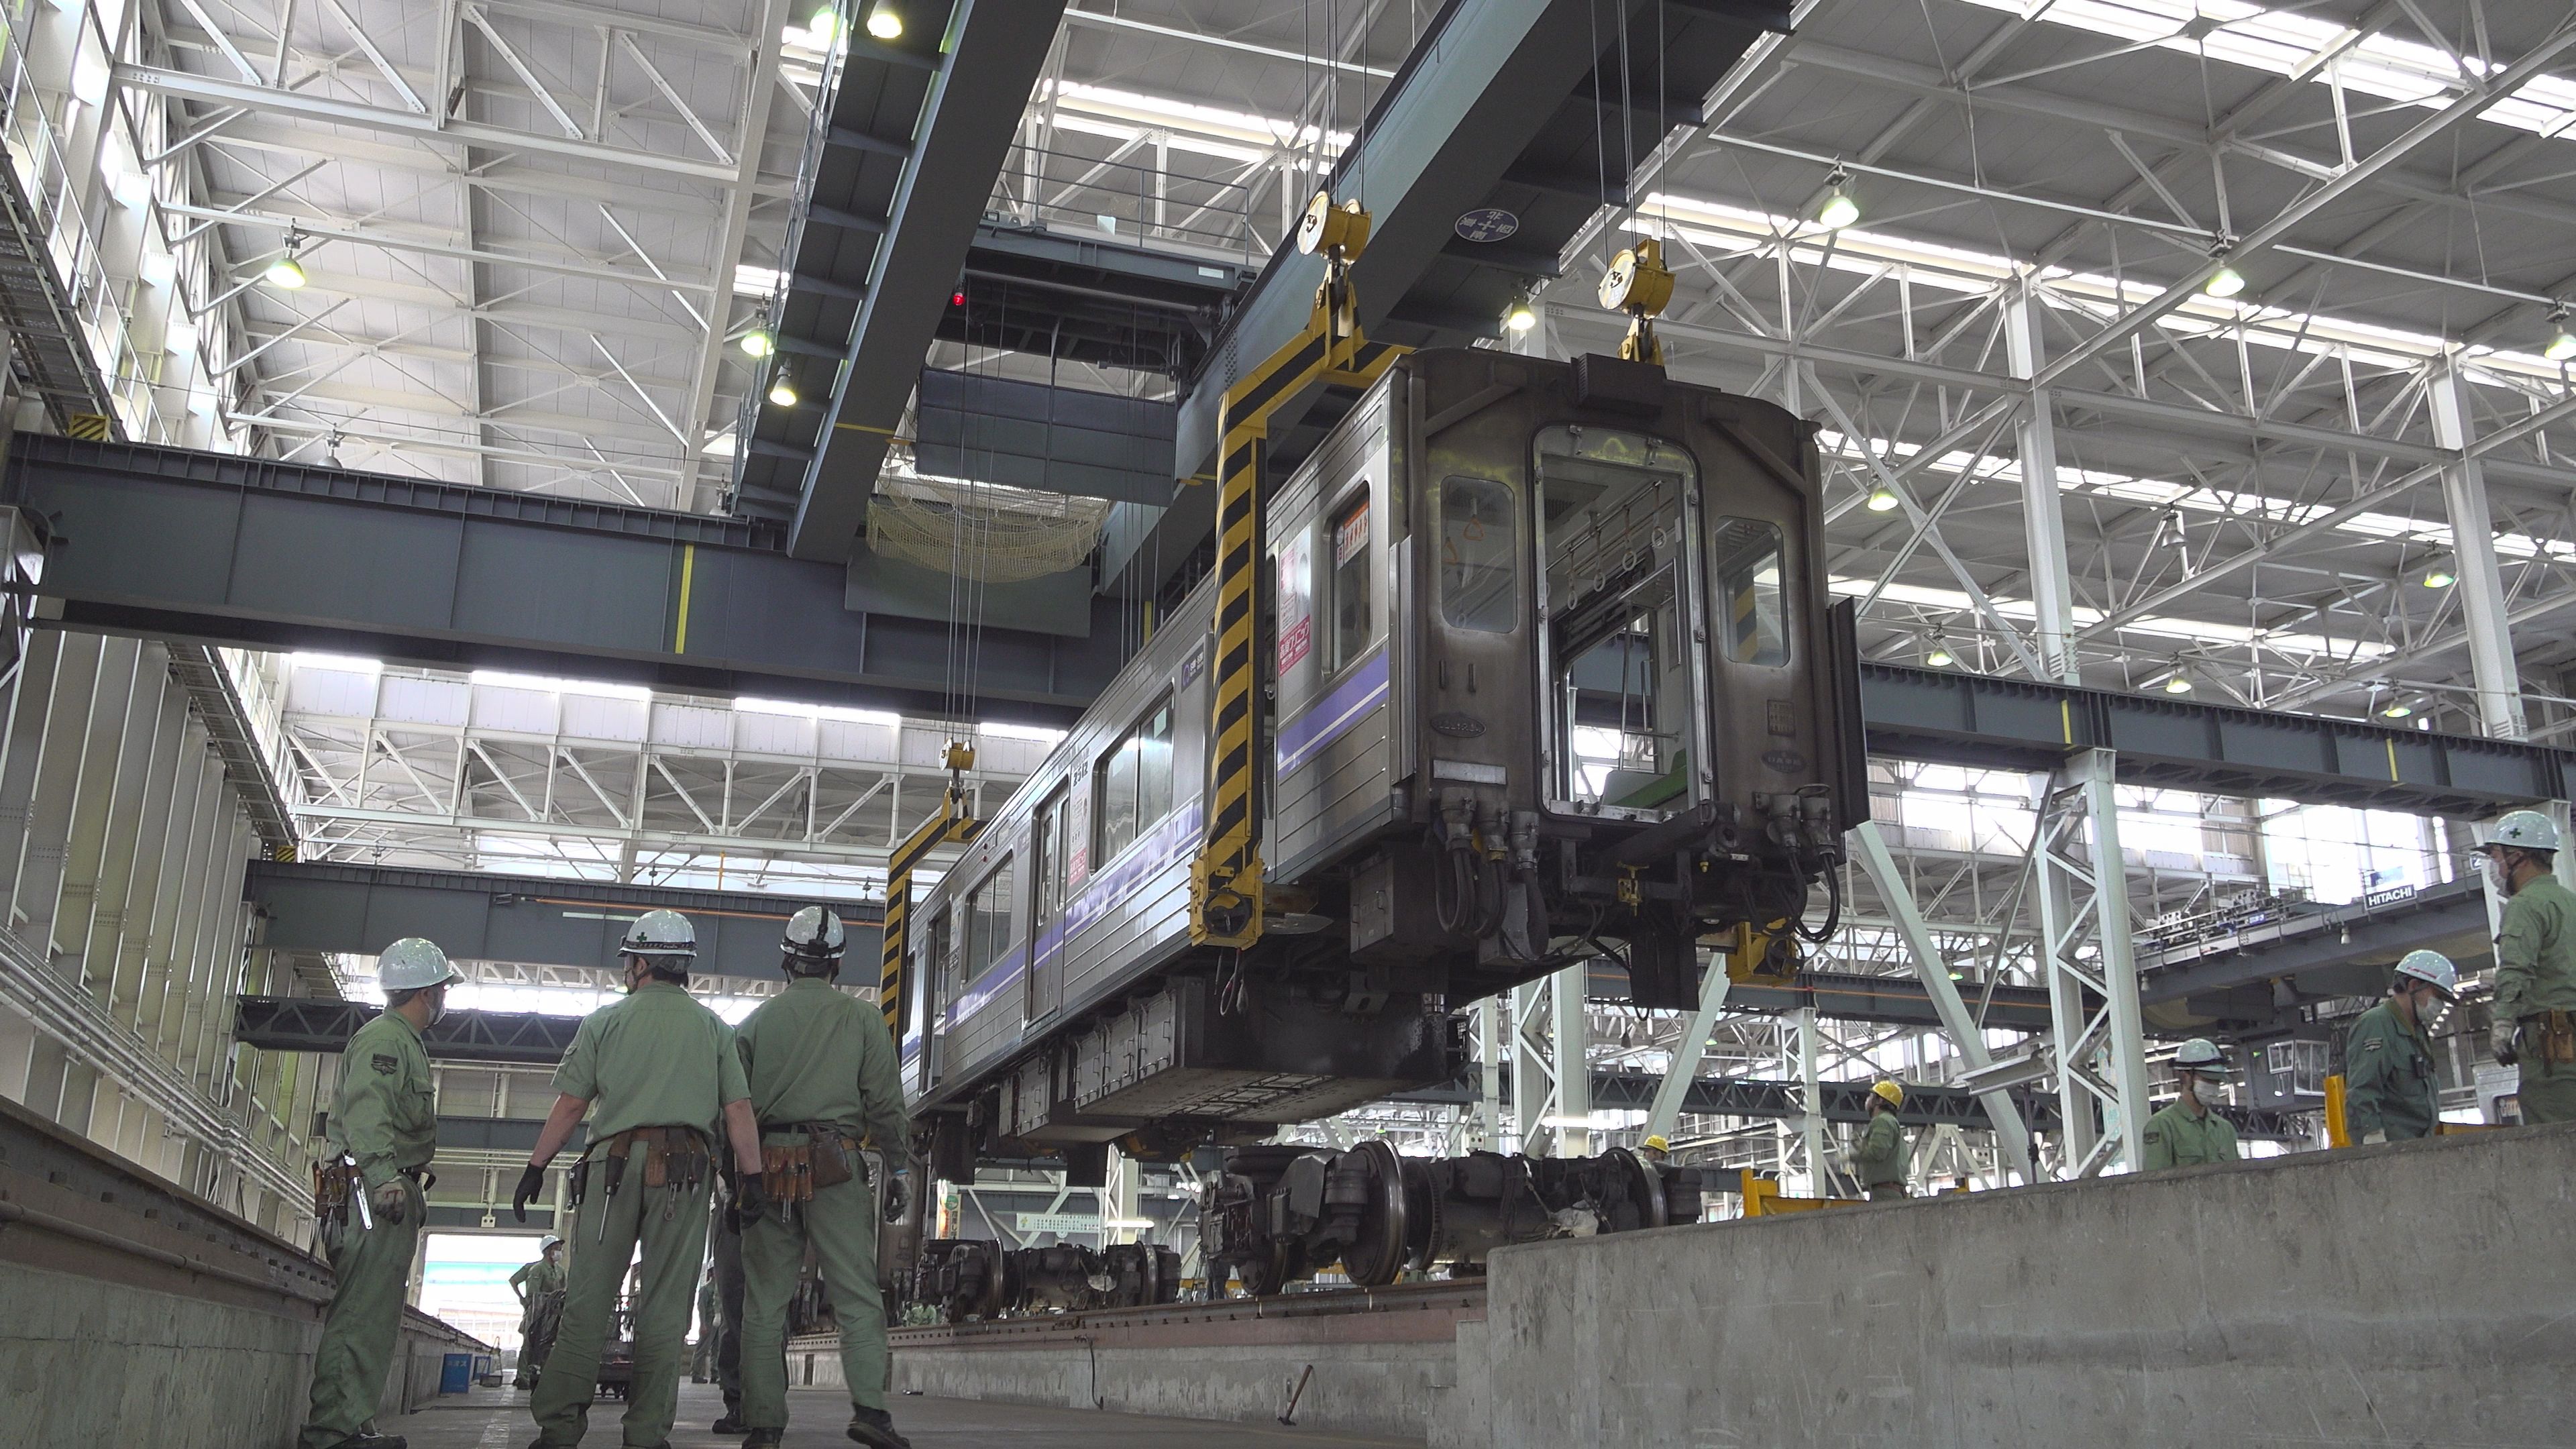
(1225, 879)
(953, 823)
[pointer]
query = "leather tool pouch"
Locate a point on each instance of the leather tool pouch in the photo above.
(831, 1157)
(2558, 1040)
(673, 1156)
(577, 1183)
(787, 1172)
(333, 1182)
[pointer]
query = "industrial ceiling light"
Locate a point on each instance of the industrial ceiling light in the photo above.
(825, 25)
(760, 341)
(1838, 210)
(2562, 345)
(1520, 316)
(2438, 577)
(782, 388)
(884, 22)
(1882, 499)
(2396, 709)
(1939, 656)
(2226, 281)
(2180, 683)
(286, 273)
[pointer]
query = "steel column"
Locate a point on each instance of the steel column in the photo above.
(2477, 574)
(2099, 1054)
(2043, 507)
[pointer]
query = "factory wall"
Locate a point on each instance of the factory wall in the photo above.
(2411, 1294)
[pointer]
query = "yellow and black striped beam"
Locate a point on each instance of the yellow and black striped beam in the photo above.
(951, 824)
(1225, 880)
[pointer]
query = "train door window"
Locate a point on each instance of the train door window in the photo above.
(1132, 784)
(1047, 858)
(1615, 524)
(1755, 620)
(1479, 546)
(989, 936)
(1352, 620)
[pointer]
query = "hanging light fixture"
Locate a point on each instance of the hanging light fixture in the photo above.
(782, 388)
(1520, 316)
(1838, 210)
(760, 341)
(2226, 281)
(1883, 499)
(825, 24)
(286, 273)
(1939, 656)
(2438, 577)
(2396, 709)
(884, 21)
(2562, 343)
(2180, 683)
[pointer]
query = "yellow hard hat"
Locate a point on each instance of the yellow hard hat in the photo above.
(1889, 1092)
(1656, 1143)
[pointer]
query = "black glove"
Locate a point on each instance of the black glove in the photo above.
(391, 1200)
(898, 1195)
(749, 1202)
(532, 1182)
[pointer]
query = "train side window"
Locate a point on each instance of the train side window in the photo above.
(989, 937)
(1132, 784)
(1351, 604)
(1047, 855)
(1749, 589)
(1479, 556)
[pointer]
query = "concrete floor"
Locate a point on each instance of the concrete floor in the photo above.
(498, 1419)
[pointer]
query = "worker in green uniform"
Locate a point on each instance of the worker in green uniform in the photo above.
(2535, 990)
(1657, 1149)
(532, 1283)
(2188, 1133)
(668, 1086)
(702, 1358)
(1877, 1160)
(823, 1075)
(383, 1129)
(2389, 1082)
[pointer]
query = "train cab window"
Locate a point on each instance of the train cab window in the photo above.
(1352, 618)
(989, 937)
(1132, 784)
(1479, 548)
(1615, 527)
(1755, 620)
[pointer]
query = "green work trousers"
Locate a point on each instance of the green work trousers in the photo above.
(2548, 1092)
(372, 1267)
(841, 1222)
(1887, 1192)
(672, 1225)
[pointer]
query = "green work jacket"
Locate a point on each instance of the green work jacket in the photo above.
(815, 1054)
(2176, 1138)
(2536, 952)
(386, 1115)
(2389, 1083)
(653, 1058)
(539, 1279)
(1879, 1156)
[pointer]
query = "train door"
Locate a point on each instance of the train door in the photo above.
(1049, 838)
(1625, 681)
(930, 995)
(1475, 672)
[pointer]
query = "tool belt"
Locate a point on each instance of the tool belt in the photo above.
(673, 1157)
(2550, 1037)
(333, 1182)
(827, 1158)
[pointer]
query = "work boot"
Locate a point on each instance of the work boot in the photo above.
(876, 1426)
(764, 1439)
(731, 1423)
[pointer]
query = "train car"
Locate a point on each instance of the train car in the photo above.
(1552, 674)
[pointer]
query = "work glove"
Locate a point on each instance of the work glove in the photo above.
(898, 1197)
(2373, 1138)
(1844, 1162)
(2505, 1031)
(391, 1201)
(532, 1183)
(749, 1202)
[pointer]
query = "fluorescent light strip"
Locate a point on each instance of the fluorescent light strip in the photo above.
(2281, 42)
(2197, 630)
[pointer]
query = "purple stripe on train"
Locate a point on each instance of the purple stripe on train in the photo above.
(1302, 737)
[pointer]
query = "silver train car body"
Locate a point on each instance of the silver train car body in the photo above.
(1552, 674)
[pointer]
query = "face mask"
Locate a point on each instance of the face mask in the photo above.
(2210, 1093)
(438, 1008)
(2431, 1012)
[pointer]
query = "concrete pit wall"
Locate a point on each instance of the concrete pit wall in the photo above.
(1375, 1389)
(2406, 1295)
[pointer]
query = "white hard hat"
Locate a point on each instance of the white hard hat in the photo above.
(660, 933)
(2433, 968)
(814, 934)
(2525, 830)
(412, 963)
(2200, 1054)
(550, 1241)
